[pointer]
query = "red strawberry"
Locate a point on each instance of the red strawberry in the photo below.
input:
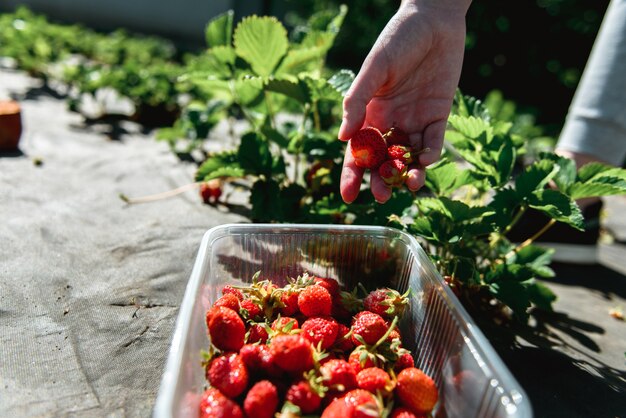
(285, 324)
(320, 329)
(403, 413)
(261, 400)
(374, 379)
(268, 364)
(252, 357)
(289, 302)
(386, 302)
(229, 289)
(360, 360)
(250, 309)
(331, 285)
(292, 353)
(304, 396)
(416, 391)
(228, 373)
(339, 375)
(228, 300)
(400, 152)
(364, 404)
(214, 404)
(394, 335)
(404, 362)
(226, 328)
(368, 148)
(338, 408)
(257, 334)
(343, 341)
(211, 191)
(368, 328)
(315, 301)
(393, 172)
(396, 136)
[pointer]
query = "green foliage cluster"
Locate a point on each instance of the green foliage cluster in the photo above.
(139, 68)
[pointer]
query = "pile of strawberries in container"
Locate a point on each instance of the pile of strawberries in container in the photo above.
(311, 349)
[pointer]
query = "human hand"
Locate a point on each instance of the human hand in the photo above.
(408, 80)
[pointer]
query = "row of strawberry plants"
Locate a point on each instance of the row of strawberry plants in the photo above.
(140, 68)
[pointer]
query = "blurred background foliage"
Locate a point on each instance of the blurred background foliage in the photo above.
(534, 52)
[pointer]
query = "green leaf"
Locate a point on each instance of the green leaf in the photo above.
(540, 295)
(219, 30)
(455, 210)
(558, 206)
(596, 179)
(535, 177)
(566, 175)
(470, 126)
(248, 89)
(254, 154)
(514, 295)
(582, 190)
(342, 81)
(588, 171)
(321, 89)
(263, 200)
(509, 272)
(301, 60)
(273, 135)
(262, 42)
(506, 161)
(224, 54)
(224, 164)
(538, 258)
(290, 87)
(290, 199)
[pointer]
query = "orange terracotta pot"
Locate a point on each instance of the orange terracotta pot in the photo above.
(10, 125)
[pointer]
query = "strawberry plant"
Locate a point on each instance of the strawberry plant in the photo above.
(475, 199)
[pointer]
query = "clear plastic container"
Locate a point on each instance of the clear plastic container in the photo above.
(472, 380)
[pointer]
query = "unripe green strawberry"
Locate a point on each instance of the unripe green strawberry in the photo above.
(368, 148)
(393, 172)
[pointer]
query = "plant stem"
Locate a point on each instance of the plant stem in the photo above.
(531, 239)
(316, 118)
(270, 112)
(159, 196)
(510, 226)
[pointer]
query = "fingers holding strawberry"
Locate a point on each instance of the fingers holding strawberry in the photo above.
(393, 158)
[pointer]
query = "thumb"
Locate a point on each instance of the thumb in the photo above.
(362, 90)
